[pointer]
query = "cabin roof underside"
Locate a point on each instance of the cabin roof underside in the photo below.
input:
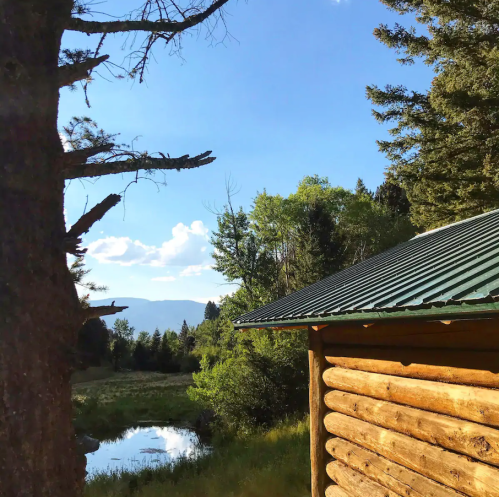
(454, 269)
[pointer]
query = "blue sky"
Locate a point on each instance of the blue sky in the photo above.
(283, 99)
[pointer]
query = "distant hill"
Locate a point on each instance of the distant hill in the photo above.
(146, 315)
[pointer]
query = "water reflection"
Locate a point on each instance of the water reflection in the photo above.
(144, 446)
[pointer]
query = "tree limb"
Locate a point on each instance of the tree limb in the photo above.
(76, 157)
(72, 239)
(105, 310)
(71, 73)
(90, 27)
(133, 165)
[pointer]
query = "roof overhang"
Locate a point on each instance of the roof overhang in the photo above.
(448, 313)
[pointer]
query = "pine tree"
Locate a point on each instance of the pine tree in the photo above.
(141, 356)
(166, 363)
(183, 337)
(394, 197)
(39, 299)
(318, 247)
(211, 311)
(361, 188)
(155, 342)
(445, 146)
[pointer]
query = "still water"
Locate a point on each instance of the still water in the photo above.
(144, 447)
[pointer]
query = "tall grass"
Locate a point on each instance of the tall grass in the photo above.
(273, 464)
(105, 408)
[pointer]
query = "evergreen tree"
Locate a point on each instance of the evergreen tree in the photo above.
(318, 247)
(444, 150)
(361, 188)
(166, 362)
(183, 338)
(211, 311)
(35, 67)
(394, 197)
(141, 356)
(93, 343)
(155, 342)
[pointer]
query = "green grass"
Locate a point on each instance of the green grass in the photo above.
(105, 408)
(273, 464)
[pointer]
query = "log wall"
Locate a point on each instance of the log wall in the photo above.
(411, 409)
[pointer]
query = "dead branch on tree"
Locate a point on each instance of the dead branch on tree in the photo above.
(164, 26)
(71, 73)
(77, 157)
(72, 239)
(135, 164)
(105, 310)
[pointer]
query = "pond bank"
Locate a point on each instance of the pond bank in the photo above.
(105, 408)
(273, 464)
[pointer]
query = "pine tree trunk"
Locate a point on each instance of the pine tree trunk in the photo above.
(39, 311)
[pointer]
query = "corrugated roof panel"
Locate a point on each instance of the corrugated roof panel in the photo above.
(458, 263)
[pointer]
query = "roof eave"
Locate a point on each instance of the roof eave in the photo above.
(450, 312)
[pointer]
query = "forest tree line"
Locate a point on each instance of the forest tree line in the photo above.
(442, 152)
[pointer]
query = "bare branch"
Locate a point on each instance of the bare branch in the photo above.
(72, 239)
(86, 221)
(70, 73)
(91, 27)
(105, 310)
(76, 157)
(136, 164)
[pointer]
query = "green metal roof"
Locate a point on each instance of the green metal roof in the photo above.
(447, 267)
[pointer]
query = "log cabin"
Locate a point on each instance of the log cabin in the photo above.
(404, 367)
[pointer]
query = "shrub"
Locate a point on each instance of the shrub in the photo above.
(263, 381)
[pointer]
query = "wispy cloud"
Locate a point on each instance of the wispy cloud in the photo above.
(195, 270)
(187, 247)
(164, 278)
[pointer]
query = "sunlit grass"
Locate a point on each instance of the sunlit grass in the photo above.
(273, 464)
(104, 408)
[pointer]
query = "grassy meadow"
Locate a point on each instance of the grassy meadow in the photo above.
(272, 464)
(105, 407)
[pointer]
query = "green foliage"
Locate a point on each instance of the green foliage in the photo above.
(121, 342)
(299, 240)
(211, 311)
(262, 380)
(445, 142)
(105, 408)
(93, 343)
(318, 245)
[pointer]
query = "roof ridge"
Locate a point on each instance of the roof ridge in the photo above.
(463, 221)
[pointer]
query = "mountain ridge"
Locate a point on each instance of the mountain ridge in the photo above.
(147, 315)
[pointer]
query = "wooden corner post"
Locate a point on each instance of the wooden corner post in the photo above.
(317, 363)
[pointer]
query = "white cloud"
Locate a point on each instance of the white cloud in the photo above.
(65, 144)
(164, 278)
(195, 270)
(185, 248)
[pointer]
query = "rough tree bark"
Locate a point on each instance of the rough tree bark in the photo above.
(39, 310)
(40, 314)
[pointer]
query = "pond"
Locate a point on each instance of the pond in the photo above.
(144, 447)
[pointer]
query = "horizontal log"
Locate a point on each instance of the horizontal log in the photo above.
(451, 366)
(335, 491)
(356, 484)
(474, 479)
(472, 439)
(387, 473)
(467, 334)
(472, 403)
